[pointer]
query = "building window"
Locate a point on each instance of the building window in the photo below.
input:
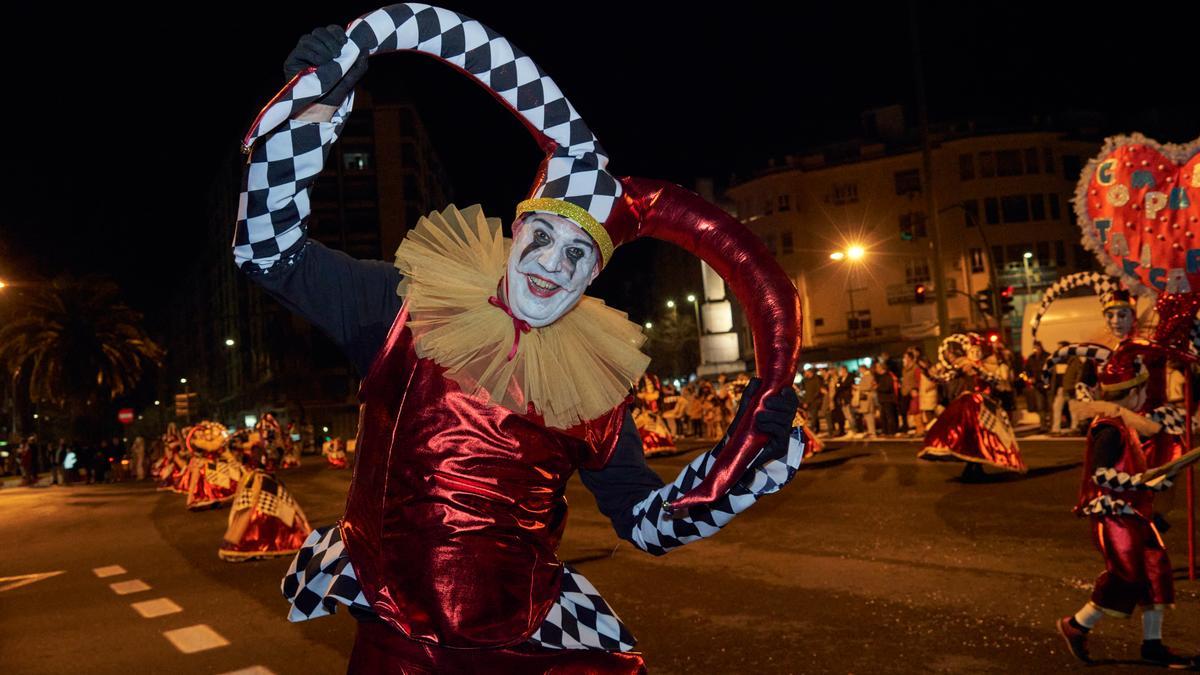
(858, 320)
(1060, 253)
(1072, 166)
(987, 164)
(912, 225)
(769, 240)
(970, 212)
(1015, 208)
(998, 255)
(1048, 159)
(1043, 253)
(360, 189)
(1008, 163)
(818, 322)
(768, 207)
(842, 193)
(1054, 214)
(966, 167)
(1016, 252)
(1037, 207)
(785, 242)
(916, 270)
(976, 260)
(359, 126)
(358, 160)
(908, 182)
(991, 211)
(1031, 161)
(785, 203)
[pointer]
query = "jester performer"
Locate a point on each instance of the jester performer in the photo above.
(974, 428)
(489, 379)
(264, 520)
(213, 473)
(334, 450)
(170, 467)
(1117, 496)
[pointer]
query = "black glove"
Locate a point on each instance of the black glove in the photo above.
(318, 48)
(779, 411)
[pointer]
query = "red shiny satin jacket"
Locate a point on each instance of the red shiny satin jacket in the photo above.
(456, 509)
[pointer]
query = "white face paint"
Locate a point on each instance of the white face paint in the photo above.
(551, 263)
(1120, 321)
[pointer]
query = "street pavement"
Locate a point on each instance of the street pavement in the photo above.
(869, 562)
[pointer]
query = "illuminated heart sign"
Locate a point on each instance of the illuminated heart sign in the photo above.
(1138, 205)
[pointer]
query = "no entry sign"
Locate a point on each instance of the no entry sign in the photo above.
(125, 416)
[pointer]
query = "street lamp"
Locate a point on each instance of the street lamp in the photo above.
(183, 380)
(649, 325)
(691, 298)
(2, 284)
(229, 342)
(670, 304)
(156, 402)
(837, 256)
(855, 253)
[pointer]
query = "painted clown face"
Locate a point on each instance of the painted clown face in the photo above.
(551, 263)
(1119, 321)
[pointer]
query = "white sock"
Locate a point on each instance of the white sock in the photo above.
(1089, 615)
(1152, 624)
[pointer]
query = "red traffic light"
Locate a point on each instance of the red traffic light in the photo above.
(993, 337)
(919, 294)
(1007, 292)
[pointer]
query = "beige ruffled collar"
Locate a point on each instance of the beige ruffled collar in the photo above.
(571, 371)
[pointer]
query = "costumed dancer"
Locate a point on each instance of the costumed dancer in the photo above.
(490, 379)
(1117, 496)
(334, 450)
(213, 473)
(166, 470)
(264, 520)
(656, 438)
(270, 435)
(181, 477)
(974, 428)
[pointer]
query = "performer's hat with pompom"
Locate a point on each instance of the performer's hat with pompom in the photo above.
(573, 181)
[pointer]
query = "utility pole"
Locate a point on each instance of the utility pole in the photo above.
(939, 276)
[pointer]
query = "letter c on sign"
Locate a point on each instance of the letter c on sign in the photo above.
(1104, 172)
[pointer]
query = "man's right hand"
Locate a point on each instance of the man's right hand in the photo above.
(319, 48)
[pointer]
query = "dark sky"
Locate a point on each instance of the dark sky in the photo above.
(119, 119)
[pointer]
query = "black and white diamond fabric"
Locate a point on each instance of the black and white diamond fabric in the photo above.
(1171, 418)
(966, 346)
(1093, 352)
(575, 164)
(1099, 282)
(273, 499)
(993, 418)
(1083, 392)
(656, 531)
(321, 577)
(581, 619)
(1119, 481)
(225, 474)
(1105, 505)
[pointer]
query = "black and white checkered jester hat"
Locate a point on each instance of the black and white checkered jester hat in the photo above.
(1107, 288)
(572, 181)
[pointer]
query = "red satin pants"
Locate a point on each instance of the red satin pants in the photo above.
(1137, 569)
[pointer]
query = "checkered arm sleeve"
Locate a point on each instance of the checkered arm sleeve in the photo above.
(1119, 481)
(1170, 418)
(274, 206)
(657, 532)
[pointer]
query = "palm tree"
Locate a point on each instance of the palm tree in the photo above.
(73, 341)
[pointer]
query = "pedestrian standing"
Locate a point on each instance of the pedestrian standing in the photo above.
(844, 395)
(886, 393)
(139, 458)
(866, 402)
(1036, 399)
(812, 398)
(908, 387)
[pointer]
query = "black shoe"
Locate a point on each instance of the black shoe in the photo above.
(1155, 652)
(1076, 637)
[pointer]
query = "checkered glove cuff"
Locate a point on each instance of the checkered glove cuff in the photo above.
(1170, 417)
(657, 532)
(274, 206)
(1119, 481)
(1107, 506)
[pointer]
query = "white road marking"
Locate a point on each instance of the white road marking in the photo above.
(252, 670)
(195, 638)
(9, 583)
(153, 608)
(131, 586)
(110, 571)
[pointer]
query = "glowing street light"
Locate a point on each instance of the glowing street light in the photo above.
(229, 342)
(837, 255)
(670, 304)
(183, 380)
(691, 298)
(2, 284)
(855, 252)
(649, 325)
(157, 402)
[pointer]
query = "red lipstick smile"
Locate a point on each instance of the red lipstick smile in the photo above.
(546, 289)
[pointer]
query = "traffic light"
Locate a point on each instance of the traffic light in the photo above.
(1006, 301)
(919, 294)
(985, 299)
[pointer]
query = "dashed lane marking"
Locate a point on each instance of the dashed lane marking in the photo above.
(252, 670)
(194, 639)
(131, 586)
(109, 571)
(9, 583)
(155, 608)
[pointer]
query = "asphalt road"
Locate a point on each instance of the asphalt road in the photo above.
(869, 562)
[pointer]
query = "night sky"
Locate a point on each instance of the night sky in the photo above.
(118, 120)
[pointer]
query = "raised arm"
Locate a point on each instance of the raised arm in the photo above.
(352, 301)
